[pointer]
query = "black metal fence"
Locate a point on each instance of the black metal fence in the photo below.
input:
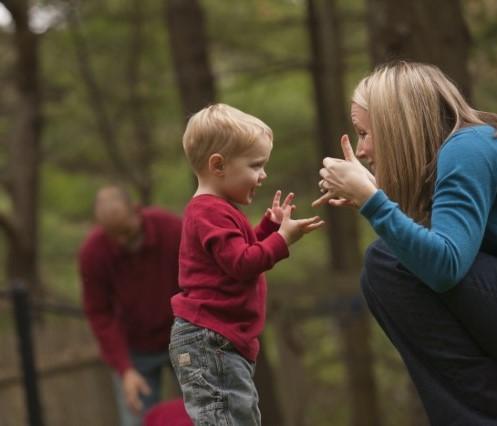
(23, 308)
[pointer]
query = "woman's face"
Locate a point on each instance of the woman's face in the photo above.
(365, 146)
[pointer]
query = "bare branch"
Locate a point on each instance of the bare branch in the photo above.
(105, 126)
(143, 138)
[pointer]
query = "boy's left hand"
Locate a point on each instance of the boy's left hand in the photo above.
(275, 213)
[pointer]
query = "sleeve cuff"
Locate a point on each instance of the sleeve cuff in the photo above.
(122, 366)
(371, 206)
(267, 226)
(278, 245)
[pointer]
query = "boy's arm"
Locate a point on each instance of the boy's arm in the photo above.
(221, 236)
(265, 228)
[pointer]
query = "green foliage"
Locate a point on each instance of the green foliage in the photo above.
(61, 240)
(482, 20)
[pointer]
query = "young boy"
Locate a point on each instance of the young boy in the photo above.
(221, 310)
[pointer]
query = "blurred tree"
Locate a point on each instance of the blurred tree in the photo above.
(141, 125)
(415, 30)
(21, 179)
(137, 171)
(189, 49)
(343, 235)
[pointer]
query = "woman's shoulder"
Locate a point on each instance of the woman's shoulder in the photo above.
(469, 152)
(473, 132)
(472, 137)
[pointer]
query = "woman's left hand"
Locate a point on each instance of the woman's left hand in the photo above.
(347, 182)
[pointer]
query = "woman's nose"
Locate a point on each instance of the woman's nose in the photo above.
(359, 151)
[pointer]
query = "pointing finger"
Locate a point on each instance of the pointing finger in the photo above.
(322, 200)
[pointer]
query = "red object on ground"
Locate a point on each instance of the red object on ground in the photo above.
(168, 413)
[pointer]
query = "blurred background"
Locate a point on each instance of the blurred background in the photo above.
(99, 91)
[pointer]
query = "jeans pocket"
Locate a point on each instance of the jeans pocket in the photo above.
(187, 354)
(202, 394)
(217, 341)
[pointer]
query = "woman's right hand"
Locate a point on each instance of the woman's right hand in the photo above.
(347, 182)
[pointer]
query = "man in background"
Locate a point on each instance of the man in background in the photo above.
(129, 272)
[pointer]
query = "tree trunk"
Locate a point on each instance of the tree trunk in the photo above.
(143, 137)
(293, 377)
(328, 79)
(189, 50)
(265, 382)
(415, 30)
(23, 176)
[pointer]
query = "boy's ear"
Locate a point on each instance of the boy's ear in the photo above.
(216, 164)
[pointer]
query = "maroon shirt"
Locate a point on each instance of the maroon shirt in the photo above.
(221, 265)
(126, 295)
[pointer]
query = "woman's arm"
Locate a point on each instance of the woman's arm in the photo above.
(464, 194)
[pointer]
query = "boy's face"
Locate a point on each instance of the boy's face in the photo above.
(245, 172)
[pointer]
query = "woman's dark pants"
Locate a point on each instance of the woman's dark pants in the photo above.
(448, 341)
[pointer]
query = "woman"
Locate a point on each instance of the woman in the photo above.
(431, 278)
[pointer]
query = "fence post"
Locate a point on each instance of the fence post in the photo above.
(22, 314)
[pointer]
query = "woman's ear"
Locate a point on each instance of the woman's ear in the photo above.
(216, 165)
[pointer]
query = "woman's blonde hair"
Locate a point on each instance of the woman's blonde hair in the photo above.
(413, 109)
(222, 129)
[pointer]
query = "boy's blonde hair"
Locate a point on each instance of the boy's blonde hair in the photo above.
(222, 129)
(413, 109)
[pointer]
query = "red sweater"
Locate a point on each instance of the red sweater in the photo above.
(126, 296)
(221, 265)
(168, 413)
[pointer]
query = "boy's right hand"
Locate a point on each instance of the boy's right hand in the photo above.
(292, 230)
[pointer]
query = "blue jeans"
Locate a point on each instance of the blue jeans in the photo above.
(216, 381)
(448, 341)
(150, 367)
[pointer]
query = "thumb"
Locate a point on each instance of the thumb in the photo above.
(348, 152)
(144, 387)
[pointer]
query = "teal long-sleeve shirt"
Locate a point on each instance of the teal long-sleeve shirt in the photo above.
(463, 217)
